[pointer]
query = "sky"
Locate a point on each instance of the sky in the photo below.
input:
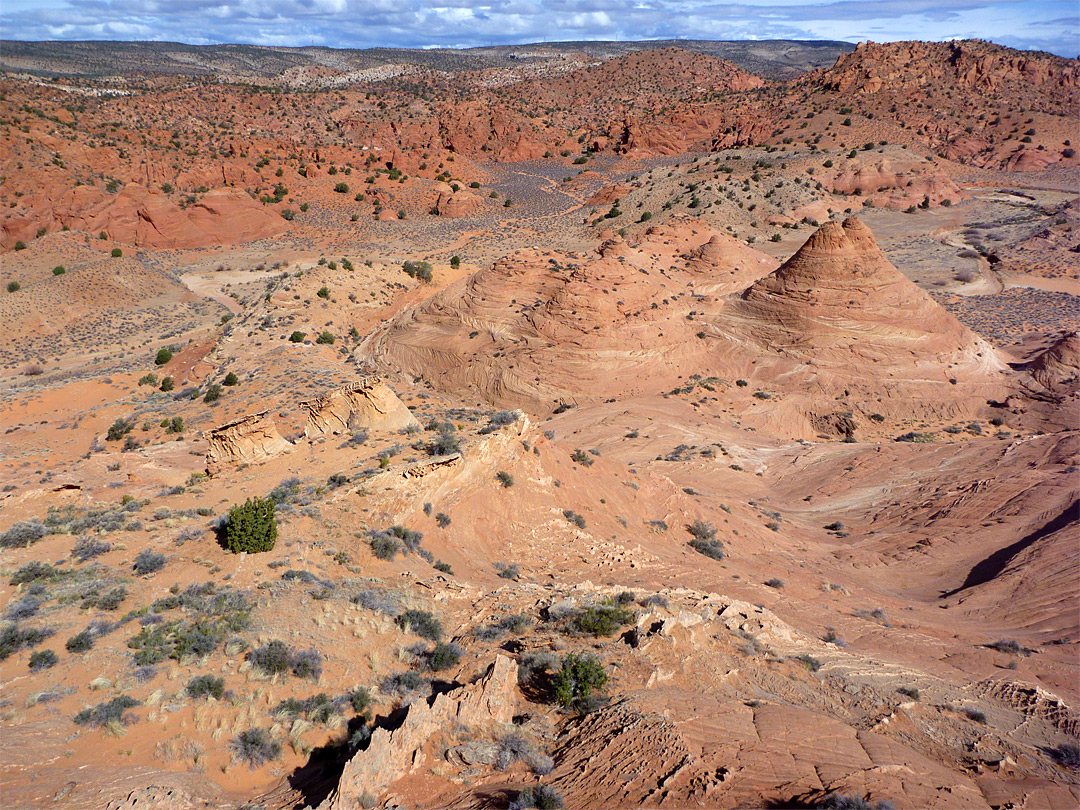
(1050, 25)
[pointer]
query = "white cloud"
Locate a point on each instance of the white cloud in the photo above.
(1046, 24)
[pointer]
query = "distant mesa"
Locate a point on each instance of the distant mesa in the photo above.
(366, 403)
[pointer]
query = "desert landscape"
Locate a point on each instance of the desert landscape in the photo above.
(579, 424)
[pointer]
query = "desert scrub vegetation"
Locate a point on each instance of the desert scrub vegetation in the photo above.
(111, 713)
(251, 526)
(212, 615)
(512, 625)
(23, 534)
(14, 637)
(206, 686)
(598, 620)
(277, 658)
(578, 682)
(421, 271)
(255, 747)
(704, 540)
(421, 623)
(147, 562)
(387, 543)
(540, 797)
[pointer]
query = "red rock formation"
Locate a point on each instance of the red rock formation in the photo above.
(393, 754)
(839, 299)
(367, 403)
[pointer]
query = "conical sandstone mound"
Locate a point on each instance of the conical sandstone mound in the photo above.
(1059, 366)
(838, 300)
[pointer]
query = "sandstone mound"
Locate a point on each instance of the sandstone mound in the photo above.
(540, 327)
(243, 441)
(839, 300)
(461, 204)
(367, 403)
(727, 265)
(1059, 366)
(393, 754)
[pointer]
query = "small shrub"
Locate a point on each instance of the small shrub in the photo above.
(34, 572)
(58, 270)
(163, 356)
(600, 620)
(579, 456)
(325, 338)
(578, 679)
(206, 686)
(838, 801)
(118, 429)
(167, 384)
(42, 659)
(421, 623)
(516, 747)
(14, 638)
(271, 659)
(574, 517)
(976, 716)
(421, 271)
(109, 712)
(505, 478)
(255, 747)
(444, 656)
(1067, 755)
(540, 797)
(306, 664)
(147, 562)
(213, 393)
(508, 571)
(324, 292)
(1009, 646)
(251, 527)
(403, 683)
(23, 534)
(384, 547)
(775, 583)
(909, 691)
(809, 662)
(230, 379)
(297, 337)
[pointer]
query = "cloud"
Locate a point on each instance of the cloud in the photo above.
(1045, 24)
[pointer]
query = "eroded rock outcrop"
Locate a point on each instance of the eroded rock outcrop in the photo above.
(366, 403)
(393, 754)
(242, 441)
(1059, 366)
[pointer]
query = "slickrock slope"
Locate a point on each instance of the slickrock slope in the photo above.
(366, 403)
